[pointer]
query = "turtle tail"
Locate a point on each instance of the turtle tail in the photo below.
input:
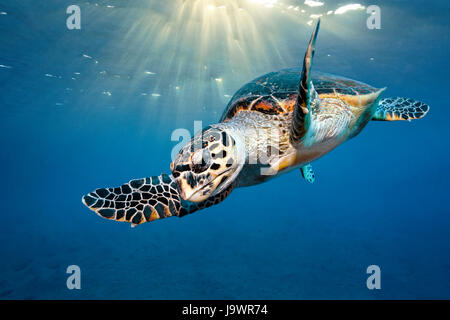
(145, 200)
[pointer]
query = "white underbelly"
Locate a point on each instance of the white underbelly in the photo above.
(255, 174)
(305, 155)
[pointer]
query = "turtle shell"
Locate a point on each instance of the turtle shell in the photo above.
(276, 92)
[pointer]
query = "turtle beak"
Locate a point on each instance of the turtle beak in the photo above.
(194, 191)
(187, 187)
(195, 196)
(187, 195)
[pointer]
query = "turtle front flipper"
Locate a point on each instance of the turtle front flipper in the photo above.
(392, 109)
(145, 200)
(307, 96)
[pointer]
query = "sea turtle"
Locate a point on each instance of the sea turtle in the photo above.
(277, 122)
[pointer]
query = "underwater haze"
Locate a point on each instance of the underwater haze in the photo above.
(96, 107)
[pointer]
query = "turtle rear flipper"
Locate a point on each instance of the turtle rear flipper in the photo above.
(392, 109)
(145, 200)
(308, 173)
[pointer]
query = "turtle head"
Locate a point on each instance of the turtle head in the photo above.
(207, 164)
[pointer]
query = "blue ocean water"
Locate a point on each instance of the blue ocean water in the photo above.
(96, 107)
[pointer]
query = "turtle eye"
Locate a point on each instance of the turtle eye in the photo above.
(200, 161)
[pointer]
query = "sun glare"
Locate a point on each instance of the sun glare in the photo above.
(186, 46)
